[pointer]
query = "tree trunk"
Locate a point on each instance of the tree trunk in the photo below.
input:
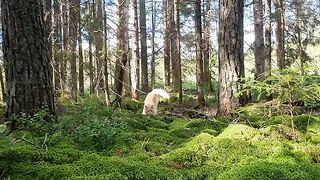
(28, 71)
(259, 40)
(280, 33)
(300, 49)
(106, 73)
(3, 90)
(199, 59)
(143, 41)
(57, 46)
(230, 54)
(166, 43)
(63, 64)
(122, 50)
(98, 39)
(91, 65)
(176, 58)
(48, 23)
(153, 32)
(206, 48)
(73, 36)
(267, 30)
(135, 50)
(172, 37)
(81, 65)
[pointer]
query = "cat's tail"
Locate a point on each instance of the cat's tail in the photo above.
(161, 93)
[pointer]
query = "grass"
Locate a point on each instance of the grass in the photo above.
(91, 141)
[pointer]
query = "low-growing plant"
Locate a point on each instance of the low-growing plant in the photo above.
(98, 133)
(288, 89)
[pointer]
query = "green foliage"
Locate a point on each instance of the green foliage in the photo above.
(92, 141)
(287, 87)
(132, 105)
(273, 168)
(98, 133)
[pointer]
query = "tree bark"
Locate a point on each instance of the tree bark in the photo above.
(231, 58)
(27, 60)
(57, 46)
(135, 51)
(267, 29)
(259, 40)
(280, 33)
(300, 48)
(122, 50)
(206, 47)
(90, 33)
(81, 63)
(199, 58)
(166, 44)
(3, 89)
(65, 29)
(143, 41)
(153, 32)
(106, 73)
(48, 23)
(176, 58)
(98, 40)
(73, 36)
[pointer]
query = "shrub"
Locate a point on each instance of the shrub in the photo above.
(98, 134)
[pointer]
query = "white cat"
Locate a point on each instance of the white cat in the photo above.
(152, 100)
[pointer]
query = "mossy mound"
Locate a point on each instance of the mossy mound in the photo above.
(274, 168)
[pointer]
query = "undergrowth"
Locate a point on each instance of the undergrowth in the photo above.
(91, 141)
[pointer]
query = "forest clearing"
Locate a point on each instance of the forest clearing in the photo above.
(160, 89)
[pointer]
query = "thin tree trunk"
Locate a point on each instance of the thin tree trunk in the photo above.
(57, 46)
(3, 90)
(98, 39)
(267, 46)
(298, 7)
(73, 36)
(206, 48)
(231, 58)
(122, 50)
(177, 84)
(259, 40)
(280, 33)
(28, 71)
(135, 50)
(81, 65)
(91, 64)
(143, 41)
(63, 64)
(199, 59)
(153, 32)
(172, 37)
(106, 73)
(267, 29)
(166, 43)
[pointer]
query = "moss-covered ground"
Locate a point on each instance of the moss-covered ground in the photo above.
(91, 141)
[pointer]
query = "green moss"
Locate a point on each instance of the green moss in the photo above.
(177, 123)
(273, 168)
(132, 105)
(210, 131)
(239, 131)
(163, 147)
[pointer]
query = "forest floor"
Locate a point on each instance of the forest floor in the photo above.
(92, 141)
